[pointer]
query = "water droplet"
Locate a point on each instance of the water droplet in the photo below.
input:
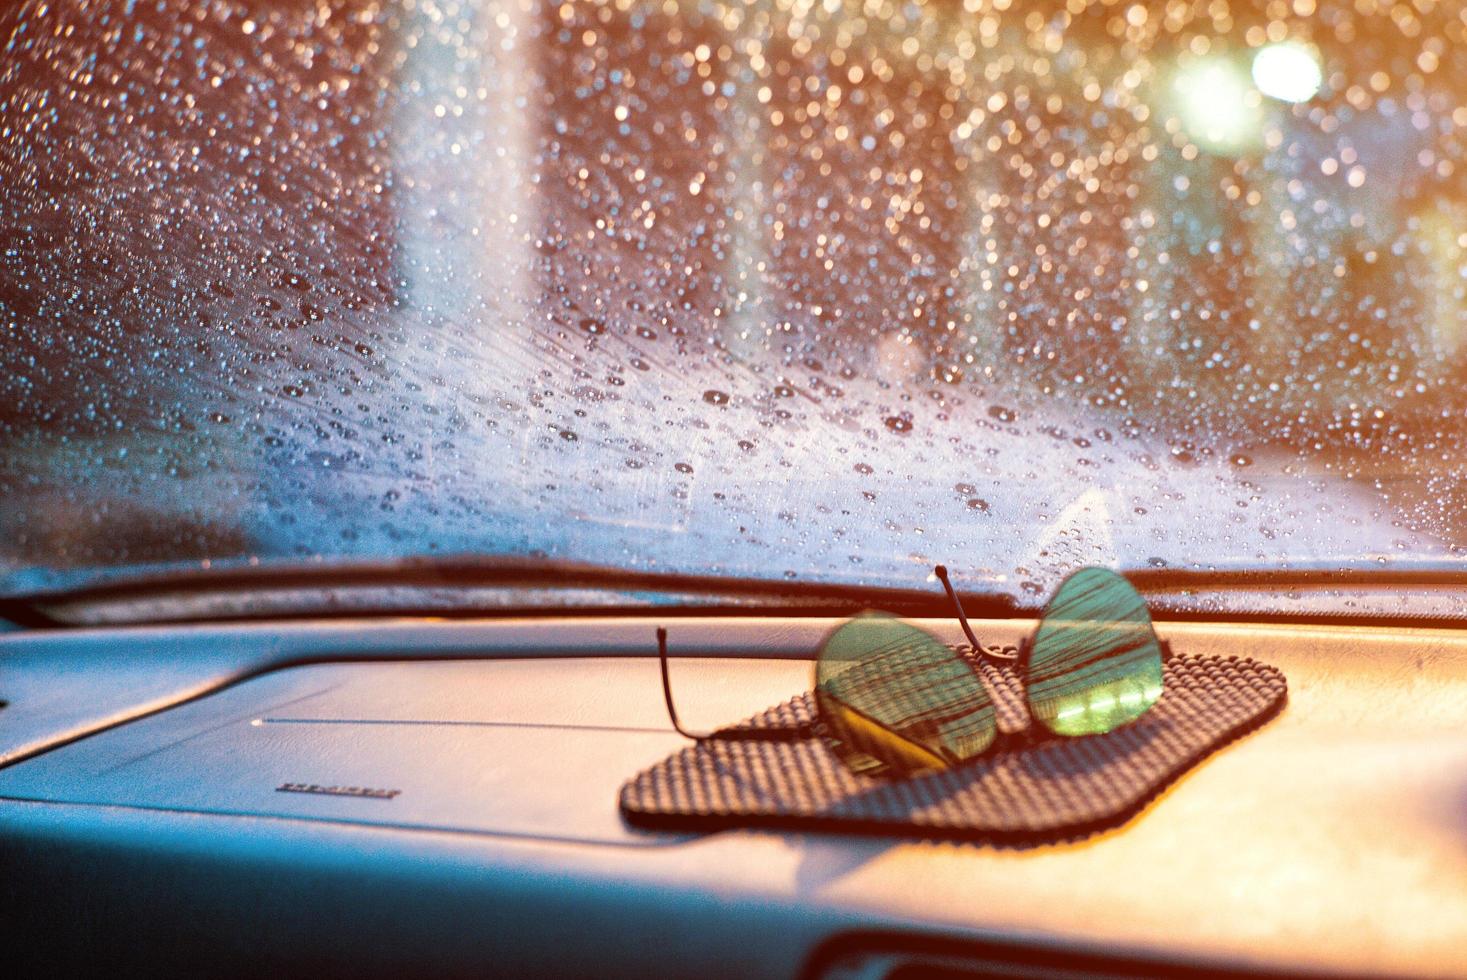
(715, 397)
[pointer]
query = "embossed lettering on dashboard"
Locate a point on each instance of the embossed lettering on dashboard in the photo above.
(366, 791)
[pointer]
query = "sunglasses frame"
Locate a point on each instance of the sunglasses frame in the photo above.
(1020, 658)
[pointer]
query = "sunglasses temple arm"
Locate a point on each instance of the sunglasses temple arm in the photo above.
(780, 733)
(941, 572)
(667, 689)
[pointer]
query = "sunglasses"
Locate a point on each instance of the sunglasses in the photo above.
(892, 699)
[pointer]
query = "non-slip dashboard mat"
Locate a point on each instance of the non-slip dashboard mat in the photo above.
(1046, 789)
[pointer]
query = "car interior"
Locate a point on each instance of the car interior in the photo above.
(146, 828)
(833, 489)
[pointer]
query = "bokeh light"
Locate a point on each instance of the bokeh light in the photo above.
(1217, 105)
(1288, 71)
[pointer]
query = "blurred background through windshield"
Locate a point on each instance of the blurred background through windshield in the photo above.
(815, 290)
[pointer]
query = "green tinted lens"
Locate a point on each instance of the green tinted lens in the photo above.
(892, 698)
(1095, 663)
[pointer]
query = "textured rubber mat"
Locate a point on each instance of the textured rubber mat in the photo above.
(1028, 789)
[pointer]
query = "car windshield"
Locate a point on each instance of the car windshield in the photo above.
(818, 291)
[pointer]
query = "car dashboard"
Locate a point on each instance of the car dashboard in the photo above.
(439, 797)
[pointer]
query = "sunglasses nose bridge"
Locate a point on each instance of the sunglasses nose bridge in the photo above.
(1003, 680)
